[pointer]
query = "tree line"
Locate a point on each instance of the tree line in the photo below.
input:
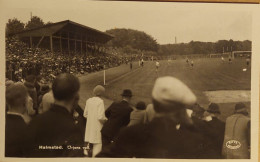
(196, 47)
(14, 25)
(132, 41)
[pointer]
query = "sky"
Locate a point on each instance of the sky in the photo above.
(163, 21)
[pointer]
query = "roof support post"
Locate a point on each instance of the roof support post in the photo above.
(75, 47)
(81, 45)
(51, 44)
(60, 45)
(69, 49)
(31, 42)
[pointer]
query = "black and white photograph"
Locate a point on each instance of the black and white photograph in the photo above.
(137, 80)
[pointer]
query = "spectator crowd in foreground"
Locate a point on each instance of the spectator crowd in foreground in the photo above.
(173, 126)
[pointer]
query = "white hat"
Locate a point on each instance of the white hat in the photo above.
(168, 90)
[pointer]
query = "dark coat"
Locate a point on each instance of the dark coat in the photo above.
(15, 129)
(118, 115)
(159, 139)
(214, 130)
(56, 127)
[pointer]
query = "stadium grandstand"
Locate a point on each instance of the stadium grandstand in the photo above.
(64, 37)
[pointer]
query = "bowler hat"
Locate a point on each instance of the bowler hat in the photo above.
(213, 108)
(127, 93)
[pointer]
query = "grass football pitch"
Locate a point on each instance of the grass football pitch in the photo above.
(208, 74)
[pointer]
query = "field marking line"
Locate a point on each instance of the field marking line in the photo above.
(122, 76)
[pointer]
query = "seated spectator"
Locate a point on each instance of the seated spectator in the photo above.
(138, 115)
(17, 100)
(58, 127)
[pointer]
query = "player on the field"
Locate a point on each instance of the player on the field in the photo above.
(131, 65)
(248, 61)
(191, 64)
(157, 64)
(187, 60)
(229, 60)
(142, 63)
(222, 58)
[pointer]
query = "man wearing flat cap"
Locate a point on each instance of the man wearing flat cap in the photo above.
(170, 134)
(55, 132)
(118, 115)
(236, 143)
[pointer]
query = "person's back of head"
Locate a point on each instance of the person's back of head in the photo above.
(30, 79)
(140, 105)
(241, 108)
(17, 97)
(99, 91)
(213, 110)
(65, 88)
(197, 111)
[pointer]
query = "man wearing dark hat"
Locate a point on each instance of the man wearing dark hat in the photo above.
(213, 128)
(170, 134)
(237, 134)
(118, 115)
(55, 133)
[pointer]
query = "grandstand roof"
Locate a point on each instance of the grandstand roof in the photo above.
(67, 29)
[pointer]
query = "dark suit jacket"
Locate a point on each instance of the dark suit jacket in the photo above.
(118, 115)
(214, 130)
(15, 129)
(159, 139)
(56, 127)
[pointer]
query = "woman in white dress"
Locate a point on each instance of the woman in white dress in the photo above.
(95, 114)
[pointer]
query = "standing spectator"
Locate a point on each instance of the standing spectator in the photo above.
(138, 115)
(47, 101)
(214, 128)
(237, 134)
(95, 114)
(118, 115)
(58, 127)
(30, 85)
(170, 134)
(15, 128)
(150, 112)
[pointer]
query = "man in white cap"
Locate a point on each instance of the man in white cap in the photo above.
(95, 114)
(170, 134)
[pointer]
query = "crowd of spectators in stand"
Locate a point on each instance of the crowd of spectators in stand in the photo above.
(22, 61)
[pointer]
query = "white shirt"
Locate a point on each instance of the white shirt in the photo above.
(157, 63)
(95, 114)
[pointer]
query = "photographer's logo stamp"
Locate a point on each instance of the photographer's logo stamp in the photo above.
(233, 144)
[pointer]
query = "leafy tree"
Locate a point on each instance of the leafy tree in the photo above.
(13, 26)
(35, 22)
(132, 38)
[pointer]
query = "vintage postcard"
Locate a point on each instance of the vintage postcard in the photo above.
(106, 80)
